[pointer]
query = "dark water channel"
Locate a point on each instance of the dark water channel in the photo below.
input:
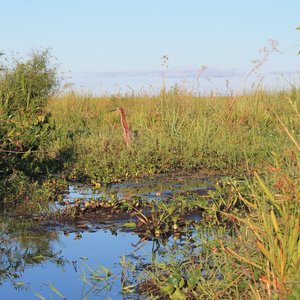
(51, 262)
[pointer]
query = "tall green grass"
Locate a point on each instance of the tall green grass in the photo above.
(175, 130)
(256, 133)
(257, 255)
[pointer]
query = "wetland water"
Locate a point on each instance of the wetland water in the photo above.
(54, 260)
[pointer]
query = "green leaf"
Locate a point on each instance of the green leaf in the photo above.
(177, 295)
(181, 283)
(174, 280)
(298, 28)
(26, 154)
(192, 281)
(167, 290)
(129, 225)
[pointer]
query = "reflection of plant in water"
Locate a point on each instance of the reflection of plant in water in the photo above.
(97, 280)
(190, 268)
(171, 270)
(124, 197)
(21, 248)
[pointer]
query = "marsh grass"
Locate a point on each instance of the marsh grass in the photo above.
(258, 255)
(275, 219)
(175, 130)
(275, 222)
(254, 250)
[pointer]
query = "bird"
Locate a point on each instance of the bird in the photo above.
(127, 133)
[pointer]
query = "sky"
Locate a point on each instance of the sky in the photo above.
(100, 44)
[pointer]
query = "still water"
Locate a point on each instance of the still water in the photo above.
(56, 261)
(62, 261)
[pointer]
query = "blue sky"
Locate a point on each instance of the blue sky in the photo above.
(122, 37)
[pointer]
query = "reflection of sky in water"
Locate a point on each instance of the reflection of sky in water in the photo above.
(157, 188)
(100, 248)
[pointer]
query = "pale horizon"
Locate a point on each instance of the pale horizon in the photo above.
(122, 42)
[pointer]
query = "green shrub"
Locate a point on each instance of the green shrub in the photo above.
(26, 86)
(25, 126)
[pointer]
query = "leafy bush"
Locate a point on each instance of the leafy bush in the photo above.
(25, 126)
(26, 86)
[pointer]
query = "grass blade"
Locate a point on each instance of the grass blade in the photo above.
(53, 288)
(39, 296)
(288, 132)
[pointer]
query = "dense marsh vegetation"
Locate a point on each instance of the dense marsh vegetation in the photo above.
(175, 130)
(26, 128)
(253, 137)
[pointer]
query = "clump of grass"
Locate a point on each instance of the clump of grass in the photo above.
(275, 224)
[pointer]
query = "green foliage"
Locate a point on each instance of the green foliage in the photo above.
(25, 87)
(177, 131)
(25, 126)
(273, 201)
(257, 256)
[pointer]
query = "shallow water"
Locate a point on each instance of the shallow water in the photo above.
(35, 261)
(161, 187)
(64, 269)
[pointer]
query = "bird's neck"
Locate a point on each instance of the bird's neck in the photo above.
(124, 124)
(126, 130)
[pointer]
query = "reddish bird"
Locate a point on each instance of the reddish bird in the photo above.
(126, 131)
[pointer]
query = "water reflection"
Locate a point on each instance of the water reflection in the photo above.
(21, 248)
(63, 260)
(34, 261)
(158, 188)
